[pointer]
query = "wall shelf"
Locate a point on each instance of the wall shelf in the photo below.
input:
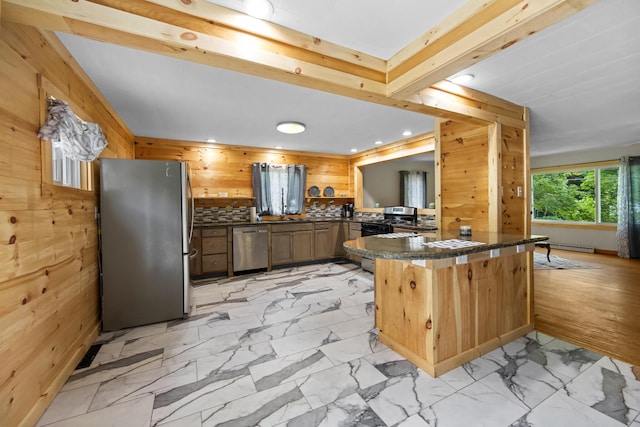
(219, 202)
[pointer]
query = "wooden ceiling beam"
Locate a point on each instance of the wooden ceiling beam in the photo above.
(99, 22)
(477, 31)
(198, 31)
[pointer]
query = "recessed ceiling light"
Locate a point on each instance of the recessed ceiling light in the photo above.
(462, 78)
(262, 9)
(406, 133)
(378, 142)
(291, 127)
(278, 147)
(354, 150)
(211, 140)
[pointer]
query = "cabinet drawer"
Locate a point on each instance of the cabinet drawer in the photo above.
(276, 228)
(214, 245)
(322, 225)
(214, 263)
(214, 232)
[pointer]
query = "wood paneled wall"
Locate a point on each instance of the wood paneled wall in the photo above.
(462, 156)
(49, 305)
(483, 175)
(515, 175)
(219, 168)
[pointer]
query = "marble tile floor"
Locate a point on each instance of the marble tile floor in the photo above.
(297, 347)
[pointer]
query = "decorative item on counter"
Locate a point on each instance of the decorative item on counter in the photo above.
(328, 192)
(465, 230)
(253, 217)
(314, 191)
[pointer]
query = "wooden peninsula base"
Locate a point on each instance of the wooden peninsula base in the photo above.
(441, 313)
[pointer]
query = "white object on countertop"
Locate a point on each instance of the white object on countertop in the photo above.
(253, 217)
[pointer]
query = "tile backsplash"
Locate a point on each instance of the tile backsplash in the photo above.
(223, 215)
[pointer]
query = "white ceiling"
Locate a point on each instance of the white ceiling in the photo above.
(580, 80)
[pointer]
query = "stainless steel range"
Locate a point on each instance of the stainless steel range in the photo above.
(393, 215)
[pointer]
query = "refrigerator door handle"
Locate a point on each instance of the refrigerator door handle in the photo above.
(193, 206)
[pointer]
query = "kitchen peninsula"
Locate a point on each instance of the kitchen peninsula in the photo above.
(443, 301)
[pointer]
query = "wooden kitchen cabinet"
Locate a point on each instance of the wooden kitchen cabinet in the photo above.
(195, 263)
(329, 237)
(355, 231)
(324, 247)
(214, 250)
(339, 231)
(291, 243)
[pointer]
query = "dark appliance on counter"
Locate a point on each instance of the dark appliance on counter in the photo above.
(146, 215)
(346, 210)
(393, 215)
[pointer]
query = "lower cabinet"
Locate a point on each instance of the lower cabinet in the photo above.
(329, 237)
(291, 243)
(214, 250)
(195, 262)
(339, 232)
(354, 232)
(324, 244)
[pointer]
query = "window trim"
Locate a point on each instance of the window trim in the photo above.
(47, 89)
(573, 224)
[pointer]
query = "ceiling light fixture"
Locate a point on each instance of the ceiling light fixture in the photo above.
(291, 128)
(354, 150)
(407, 133)
(463, 78)
(278, 147)
(378, 142)
(261, 9)
(211, 140)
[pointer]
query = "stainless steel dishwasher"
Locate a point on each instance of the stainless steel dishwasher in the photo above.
(250, 247)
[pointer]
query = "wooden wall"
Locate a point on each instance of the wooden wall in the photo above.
(481, 168)
(49, 306)
(219, 168)
(462, 157)
(515, 173)
(416, 145)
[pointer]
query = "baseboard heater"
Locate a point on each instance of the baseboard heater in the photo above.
(571, 247)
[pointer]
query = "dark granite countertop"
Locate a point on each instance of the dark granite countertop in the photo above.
(413, 248)
(417, 227)
(277, 221)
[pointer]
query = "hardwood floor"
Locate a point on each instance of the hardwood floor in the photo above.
(598, 309)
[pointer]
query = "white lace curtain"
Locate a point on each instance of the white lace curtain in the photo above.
(628, 230)
(78, 140)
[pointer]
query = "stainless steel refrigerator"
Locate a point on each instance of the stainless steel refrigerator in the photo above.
(146, 220)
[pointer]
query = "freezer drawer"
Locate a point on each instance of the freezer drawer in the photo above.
(250, 248)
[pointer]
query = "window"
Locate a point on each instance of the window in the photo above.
(67, 161)
(413, 188)
(279, 189)
(65, 170)
(576, 194)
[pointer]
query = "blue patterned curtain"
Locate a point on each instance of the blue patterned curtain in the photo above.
(628, 232)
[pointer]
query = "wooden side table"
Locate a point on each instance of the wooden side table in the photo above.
(547, 246)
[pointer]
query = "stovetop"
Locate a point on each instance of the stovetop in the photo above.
(389, 221)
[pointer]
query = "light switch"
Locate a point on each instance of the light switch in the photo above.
(519, 191)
